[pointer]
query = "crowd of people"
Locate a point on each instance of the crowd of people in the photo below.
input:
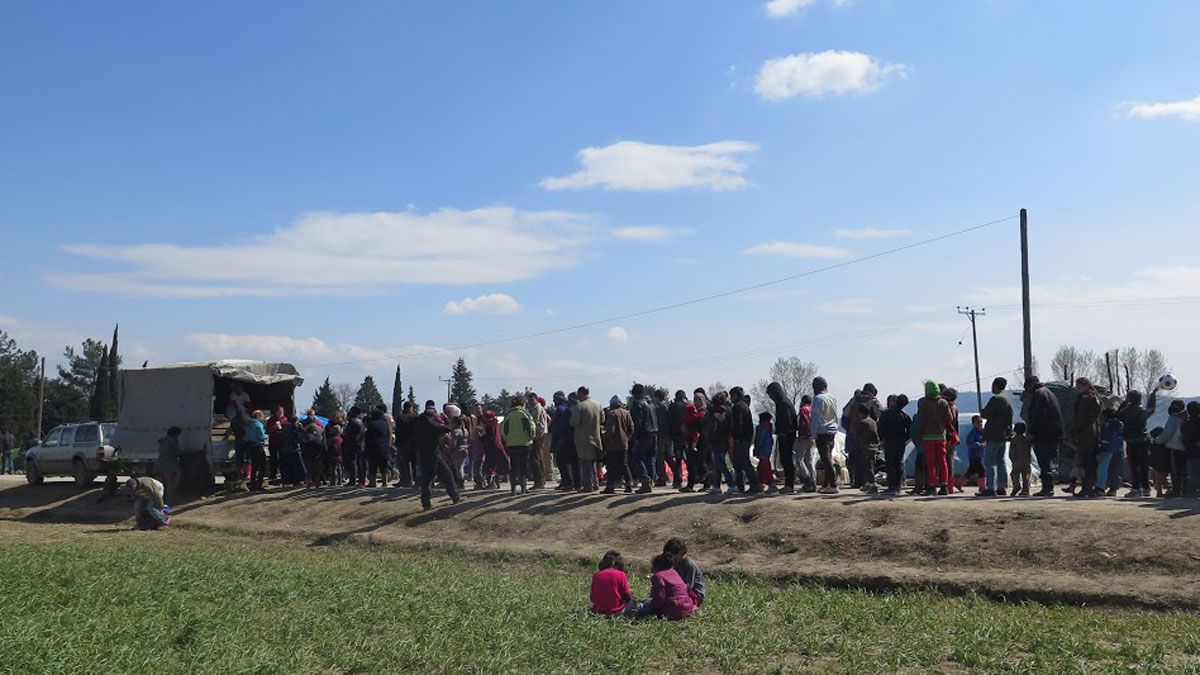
(650, 440)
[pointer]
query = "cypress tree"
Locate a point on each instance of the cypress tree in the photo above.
(397, 393)
(98, 405)
(114, 378)
(368, 395)
(325, 400)
(462, 391)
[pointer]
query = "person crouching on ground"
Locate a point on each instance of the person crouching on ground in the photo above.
(669, 596)
(610, 593)
(764, 446)
(149, 510)
(687, 568)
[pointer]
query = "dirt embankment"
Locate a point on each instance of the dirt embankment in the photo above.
(1140, 553)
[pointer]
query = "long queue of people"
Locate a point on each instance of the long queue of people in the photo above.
(718, 444)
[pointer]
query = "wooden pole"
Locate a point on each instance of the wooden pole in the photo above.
(971, 314)
(1025, 294)
(1108, 369)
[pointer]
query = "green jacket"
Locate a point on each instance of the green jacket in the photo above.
(518, 428)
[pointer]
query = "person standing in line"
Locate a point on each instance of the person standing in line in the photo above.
(665, 449)
(785, 435)
(1137, 439)
(741, 428)
(893, 429)
(618, 434)
(587, 422)
(427, 432)
(495, 459)
(460, 442)
(476, 450)
(806, 467)
(674, 429)
(312, 448)
(1191, 449)
(1085, 432)
(1171, 439)
(976, 446)
(824, 424)
(291, 464)
(378, 437)
(866, 430)
(274, 434)
(716, 431)
(562, 445)
(518, 432)
(997, 431)
(645, 437)
(256, 443)
(353, 445)
(1112, 445)
(1020, 451)
(764, 447)
(406, 454)
(166, 466)
(539, 457)
(693, 424)
(950, 394)
(1044, 420)
(933, 419)
(333, 448)
(850, 443)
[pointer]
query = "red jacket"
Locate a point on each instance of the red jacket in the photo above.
(610, 591)
(693, 420)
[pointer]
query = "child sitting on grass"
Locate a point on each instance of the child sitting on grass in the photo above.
(669, 596)
(687, 568)
(610, 586)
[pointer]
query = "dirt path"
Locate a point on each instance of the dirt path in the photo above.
(1114, 552)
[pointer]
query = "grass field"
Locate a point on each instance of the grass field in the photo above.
(185, 602)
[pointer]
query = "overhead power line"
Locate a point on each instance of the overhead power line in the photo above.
(676, 305)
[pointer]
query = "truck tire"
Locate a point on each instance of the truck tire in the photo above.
(83, 475)
(33, 475)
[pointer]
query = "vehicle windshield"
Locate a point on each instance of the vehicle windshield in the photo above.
(107, 431)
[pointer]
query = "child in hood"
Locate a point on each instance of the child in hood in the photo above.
(669, 596)
(764, 446)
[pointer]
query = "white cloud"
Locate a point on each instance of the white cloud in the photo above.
(346, 253)
(789, 249)
(494, 303)
(829, 72)
(849, 307)
(633, 165)
(871, 233)
(618, 335)
(779, 8)
(651, 233)
(301, 351)
(1186, 110)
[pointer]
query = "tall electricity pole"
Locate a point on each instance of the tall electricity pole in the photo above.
(971, 313)
(442, 379)
(1025, 294)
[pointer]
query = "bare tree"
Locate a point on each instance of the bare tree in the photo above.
(344, 393)
(715, 387)
(1071, 362)
(1143, 367)
(1154, 366)
(794, 374)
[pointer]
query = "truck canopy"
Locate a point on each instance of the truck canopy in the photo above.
(191, 395)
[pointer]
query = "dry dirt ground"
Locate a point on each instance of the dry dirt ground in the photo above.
(1140, 553)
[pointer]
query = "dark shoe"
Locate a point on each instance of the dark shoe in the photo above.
(608, 491)
(787, 490)
(689, 488)
(660, 483)
(942, 491)
(628, 489)
(1001, 492)
(986, 493)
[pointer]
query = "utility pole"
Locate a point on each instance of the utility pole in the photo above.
(442, 379)
(971, 313)
(41, 397)
(1025, 294)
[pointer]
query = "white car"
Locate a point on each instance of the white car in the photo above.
(75, 450)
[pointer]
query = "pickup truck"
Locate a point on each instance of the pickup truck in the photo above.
(79, 450)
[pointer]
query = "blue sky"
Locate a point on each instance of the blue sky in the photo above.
(315, 182)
